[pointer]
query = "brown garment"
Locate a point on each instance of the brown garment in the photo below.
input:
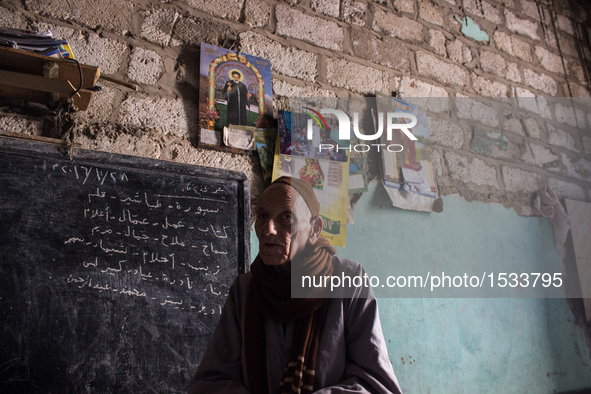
(269, 296)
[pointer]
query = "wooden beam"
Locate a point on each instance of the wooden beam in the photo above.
(27, 62)
(33, 137)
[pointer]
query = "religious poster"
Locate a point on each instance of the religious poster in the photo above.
(234, 90)
(327, 172)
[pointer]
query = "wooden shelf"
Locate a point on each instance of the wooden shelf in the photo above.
(28, 76)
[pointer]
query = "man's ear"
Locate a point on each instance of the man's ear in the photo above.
(316, 223)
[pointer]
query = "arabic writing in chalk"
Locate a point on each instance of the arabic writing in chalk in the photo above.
(133, 242)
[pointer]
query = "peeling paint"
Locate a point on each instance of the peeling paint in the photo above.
(472, 30)
(483, 142)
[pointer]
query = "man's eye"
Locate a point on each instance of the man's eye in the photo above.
(262, 216)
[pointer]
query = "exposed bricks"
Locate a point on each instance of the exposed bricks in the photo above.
(343, 47)
(318, 31)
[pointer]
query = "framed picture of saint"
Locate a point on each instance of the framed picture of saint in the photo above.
(235, 97)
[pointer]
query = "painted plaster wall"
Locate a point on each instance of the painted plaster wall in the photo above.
(470, 345)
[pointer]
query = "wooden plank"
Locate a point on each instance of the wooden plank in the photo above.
(35, 82)
(82, 100)
(109, 78)
(31, 63)
(33, 137)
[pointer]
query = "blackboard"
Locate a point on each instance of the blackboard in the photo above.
(113, 268)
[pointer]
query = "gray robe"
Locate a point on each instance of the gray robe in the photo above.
(352, 355)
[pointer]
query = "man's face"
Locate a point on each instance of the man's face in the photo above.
(236, 77)
(282, 224)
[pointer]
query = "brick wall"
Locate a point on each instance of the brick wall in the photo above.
(339, 48)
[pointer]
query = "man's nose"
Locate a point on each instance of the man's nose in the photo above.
(269, 227)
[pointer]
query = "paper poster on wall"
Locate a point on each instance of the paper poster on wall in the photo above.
(408, 173)
(328, 176)
(234, 90)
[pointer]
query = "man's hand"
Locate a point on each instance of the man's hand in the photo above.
(248, 95)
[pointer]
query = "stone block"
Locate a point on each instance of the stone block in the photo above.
(459, 52)
(565, 189)
(288, 61)
(577, 71)
(492, 63)
(568, 46)
(12, 19)
(443, 72)
(475, 171)
(579, 169)
(521, 26)
(190, 32)
(430, 12)
(397, 26)
(21, 124)
(356, 77)
(326, 7)
(163, 114)
(427, 96)
(286, 89)
(111, 15)
(488, 88)
(512, 45)
(135, 145)
(526, 99)
(531, 9)
(387, 52)
(514, 125)
(437, 42)
(483, 142)
(404, 5)
(538, 155)
(561, 138)
(482, 9)
(533, 128)
(576, 90)
(540, 82)
(549, 60)
(102, 104)
(446, 133)
(573, 117)
(354, 12)
(157, 25)
(145, 66)
(89, 48)
(471, 109)
(564, 24)
(318, 31)
(410, 87)
(437, 162)
(519, 181)
(226, 9)
(257, 13)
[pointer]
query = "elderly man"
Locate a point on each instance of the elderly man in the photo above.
(267, 342)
